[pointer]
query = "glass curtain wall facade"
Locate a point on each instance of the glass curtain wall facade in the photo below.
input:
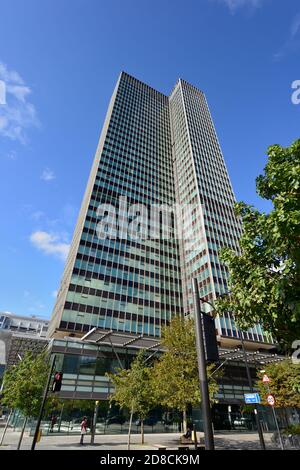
(124, 284)
(153, 150)
(202, 181)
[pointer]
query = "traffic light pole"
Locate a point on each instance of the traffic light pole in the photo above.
(207, 422)
(6, 426)
(36, 433)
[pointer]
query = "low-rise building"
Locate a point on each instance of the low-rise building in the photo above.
(18, 335)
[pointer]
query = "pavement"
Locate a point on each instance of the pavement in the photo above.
(223, 441)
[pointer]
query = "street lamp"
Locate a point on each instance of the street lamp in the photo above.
(250, 382)
(207, 422)
(39, 420)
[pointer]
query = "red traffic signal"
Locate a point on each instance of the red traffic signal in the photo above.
(57, 381)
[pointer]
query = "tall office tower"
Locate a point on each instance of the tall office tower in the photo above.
(153, 150)
(202, 181)
(124, 283)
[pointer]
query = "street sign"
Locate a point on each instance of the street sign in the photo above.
(271, 400)
(252, 398)
(266, 379)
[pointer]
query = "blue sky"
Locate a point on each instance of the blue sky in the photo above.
(60, 61)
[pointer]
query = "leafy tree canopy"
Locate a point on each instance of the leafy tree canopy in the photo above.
(175, 375)
(284, 385)
(264, 278)
(24, 384)
(133, 387)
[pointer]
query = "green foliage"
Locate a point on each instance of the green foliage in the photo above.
(24, 384)
(172, 381)
(175, 375)
(85, 406)
(264, 278)
(293, 429)
(133, 387)
(284, 385)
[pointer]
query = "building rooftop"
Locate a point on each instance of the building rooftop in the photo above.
(24, 317)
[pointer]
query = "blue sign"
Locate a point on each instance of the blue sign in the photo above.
(251, 398)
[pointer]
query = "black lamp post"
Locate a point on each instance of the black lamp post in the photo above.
(39, 420)
(207, 421)
(250, 382)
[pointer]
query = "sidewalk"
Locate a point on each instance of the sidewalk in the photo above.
(228, 441)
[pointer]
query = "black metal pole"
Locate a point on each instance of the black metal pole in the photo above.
(256, 412)
(208, 430)
(94, 422)
(6, 426)
(37, 428)
(276, 421)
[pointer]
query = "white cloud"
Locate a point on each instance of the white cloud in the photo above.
(18, 114)
(295, 26)
(51, 236)
(54, 293)
(235, 5)
(48, 175)
(292, 44)
(10, 75)
(20, 92)
(51, 244)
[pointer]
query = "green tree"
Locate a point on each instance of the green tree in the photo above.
(175, 374)
(132, 390)
(23, 386)
(264, 278)
(284, 384)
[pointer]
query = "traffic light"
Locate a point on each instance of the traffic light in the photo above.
(57, 382)
(211, 345)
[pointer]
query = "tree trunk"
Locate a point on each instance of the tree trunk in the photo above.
(129, 429)
(184, 421)
(6, 426)
(142, 431)
(22, 433)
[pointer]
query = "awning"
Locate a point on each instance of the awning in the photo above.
(123, 340)
(257, 358)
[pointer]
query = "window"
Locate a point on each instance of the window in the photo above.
(87, 365)
(102, 365)
(70, 364)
